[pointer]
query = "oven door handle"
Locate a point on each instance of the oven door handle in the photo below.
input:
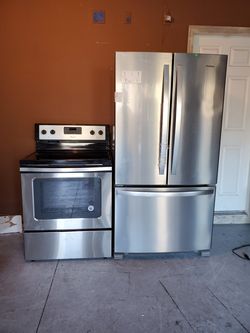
(66, 170)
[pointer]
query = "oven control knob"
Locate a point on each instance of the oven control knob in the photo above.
(91, 208)
(92, 132)
(100, 132)
(43, 131)
(52, 132)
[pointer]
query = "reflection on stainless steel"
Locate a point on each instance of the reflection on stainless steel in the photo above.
(67, 245)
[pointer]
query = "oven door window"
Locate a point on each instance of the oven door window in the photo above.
(67, 198)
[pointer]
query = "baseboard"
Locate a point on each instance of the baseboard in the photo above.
(231, 212)
(9, 224)
(231, 218)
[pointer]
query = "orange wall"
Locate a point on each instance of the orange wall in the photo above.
(57, 66)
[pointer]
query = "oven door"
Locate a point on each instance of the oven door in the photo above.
(66, 199)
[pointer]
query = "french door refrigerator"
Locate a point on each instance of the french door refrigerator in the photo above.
(168, 116)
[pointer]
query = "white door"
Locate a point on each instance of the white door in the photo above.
(232, 188)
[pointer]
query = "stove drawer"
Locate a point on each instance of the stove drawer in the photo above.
(67, 245)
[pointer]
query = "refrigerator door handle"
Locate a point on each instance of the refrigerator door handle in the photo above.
(165, 107)
(177, 119)
(151, 193)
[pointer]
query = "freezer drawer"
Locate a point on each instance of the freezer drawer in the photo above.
(67, 245)
(154, 220)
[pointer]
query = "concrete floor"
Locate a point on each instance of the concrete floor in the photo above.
(168, 293)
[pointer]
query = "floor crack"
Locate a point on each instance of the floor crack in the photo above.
(177, 306)
(52, 280)
(228, 310)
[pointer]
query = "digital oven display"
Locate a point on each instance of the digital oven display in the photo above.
(72, 130)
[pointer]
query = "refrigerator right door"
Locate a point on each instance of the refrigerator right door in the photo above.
(196, 118)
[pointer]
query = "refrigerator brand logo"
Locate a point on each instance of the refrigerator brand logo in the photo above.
(131, 77)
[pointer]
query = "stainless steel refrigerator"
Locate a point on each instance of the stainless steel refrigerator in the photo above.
(168, 116)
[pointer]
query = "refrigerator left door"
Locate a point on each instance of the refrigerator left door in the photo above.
(142, 99)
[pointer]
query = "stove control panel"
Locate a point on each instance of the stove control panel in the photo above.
(72, 132)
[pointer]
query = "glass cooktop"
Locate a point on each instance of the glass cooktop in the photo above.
(68, 158)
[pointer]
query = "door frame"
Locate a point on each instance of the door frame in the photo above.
(194, 30)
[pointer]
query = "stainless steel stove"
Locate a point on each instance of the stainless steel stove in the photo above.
(66, 193)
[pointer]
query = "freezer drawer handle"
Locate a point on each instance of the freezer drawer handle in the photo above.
(194, 193)
(177, 119)
(164, 121)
